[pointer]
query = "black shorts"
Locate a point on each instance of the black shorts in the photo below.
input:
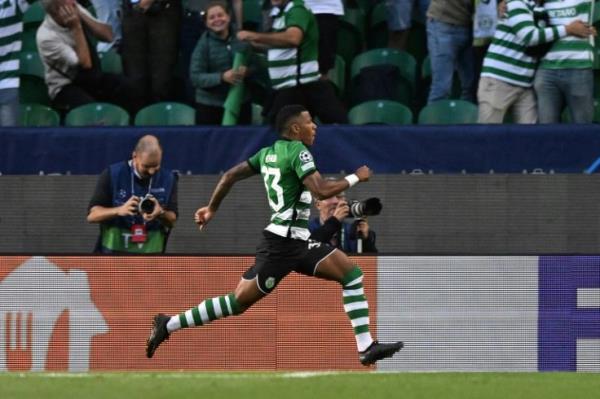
(277, 256)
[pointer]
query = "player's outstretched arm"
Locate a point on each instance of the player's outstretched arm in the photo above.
(323, 189)
(239, 172)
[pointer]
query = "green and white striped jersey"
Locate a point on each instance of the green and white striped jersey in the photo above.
(292, 66)
(505, 59)
(283, 166)
(570, 51)
(11, 28)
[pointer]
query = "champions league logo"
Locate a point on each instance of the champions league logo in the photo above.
(305, 157)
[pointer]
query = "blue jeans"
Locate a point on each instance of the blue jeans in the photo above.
(9, 107)
(450, 48)
(556, 88)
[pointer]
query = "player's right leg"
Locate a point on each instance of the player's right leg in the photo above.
(245, 295)
(338, 267)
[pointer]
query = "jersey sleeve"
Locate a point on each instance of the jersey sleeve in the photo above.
(302, 161)
(298, 17)
(254, 161)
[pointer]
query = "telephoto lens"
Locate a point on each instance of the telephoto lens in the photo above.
(368, 207)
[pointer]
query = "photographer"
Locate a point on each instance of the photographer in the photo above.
(135, 203)
(330, 227)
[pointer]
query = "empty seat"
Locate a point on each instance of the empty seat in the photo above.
(380, 112)
(166, 113)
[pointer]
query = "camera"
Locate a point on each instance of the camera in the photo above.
(146, 204)
(368, 207)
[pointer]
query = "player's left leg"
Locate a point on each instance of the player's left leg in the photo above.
(235, 303)
(337, 267)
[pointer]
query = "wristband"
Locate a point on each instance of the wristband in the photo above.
(352, 179)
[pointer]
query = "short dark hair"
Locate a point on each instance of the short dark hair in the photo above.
(286, 114)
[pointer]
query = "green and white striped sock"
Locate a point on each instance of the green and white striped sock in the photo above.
(209, 310)
(357, 307)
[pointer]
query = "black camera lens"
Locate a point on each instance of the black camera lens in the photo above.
(369, 207)
(147, 205)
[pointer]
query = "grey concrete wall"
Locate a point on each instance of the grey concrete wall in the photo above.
(423, 214)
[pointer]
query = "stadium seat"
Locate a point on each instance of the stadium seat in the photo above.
(32, 88)
(38, 115)
(377, 34)
(351, 34)
(166, 113)
(110, 61)
(253, 15)
(404, 62)
(380, 112)
(97, 114)
(31, 64)
(596, 16)
(34, 16)
(28, 42)
(337, 75)
(448, 112)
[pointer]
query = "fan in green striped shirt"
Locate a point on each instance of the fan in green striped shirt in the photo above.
(11, 29)
(565, 75)
(508, 70)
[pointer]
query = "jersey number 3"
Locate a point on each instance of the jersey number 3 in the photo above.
(271, 176)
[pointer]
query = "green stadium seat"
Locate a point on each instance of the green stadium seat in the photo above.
(351, 34)
(34, 16)
(377, 34)
(28, 42)
(337, 75)
(33, 90)
(252, 14)
(380, 112)
(166, 113)
(38, 115)
(405, 63)
(110, 61)
(449, 112)
(31, 64)
(97, 114)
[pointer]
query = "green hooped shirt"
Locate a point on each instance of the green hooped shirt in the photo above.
(283, 166)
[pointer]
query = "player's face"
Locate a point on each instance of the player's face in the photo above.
(308, 129)
(147, 164)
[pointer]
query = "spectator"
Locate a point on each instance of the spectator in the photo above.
(508, 69)
(449, 39)
(327, 13)
(400, 15)
(135, 202)
(11, 29)
(565, 75)
(72, 68)
(293, 63)
(150, 46)
(211, 70)
(330, 227)
(192, 28)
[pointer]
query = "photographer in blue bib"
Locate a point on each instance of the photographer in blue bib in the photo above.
(330, 226)
(135, 203)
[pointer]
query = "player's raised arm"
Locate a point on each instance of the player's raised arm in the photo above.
(239, 172)
(323, 189)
